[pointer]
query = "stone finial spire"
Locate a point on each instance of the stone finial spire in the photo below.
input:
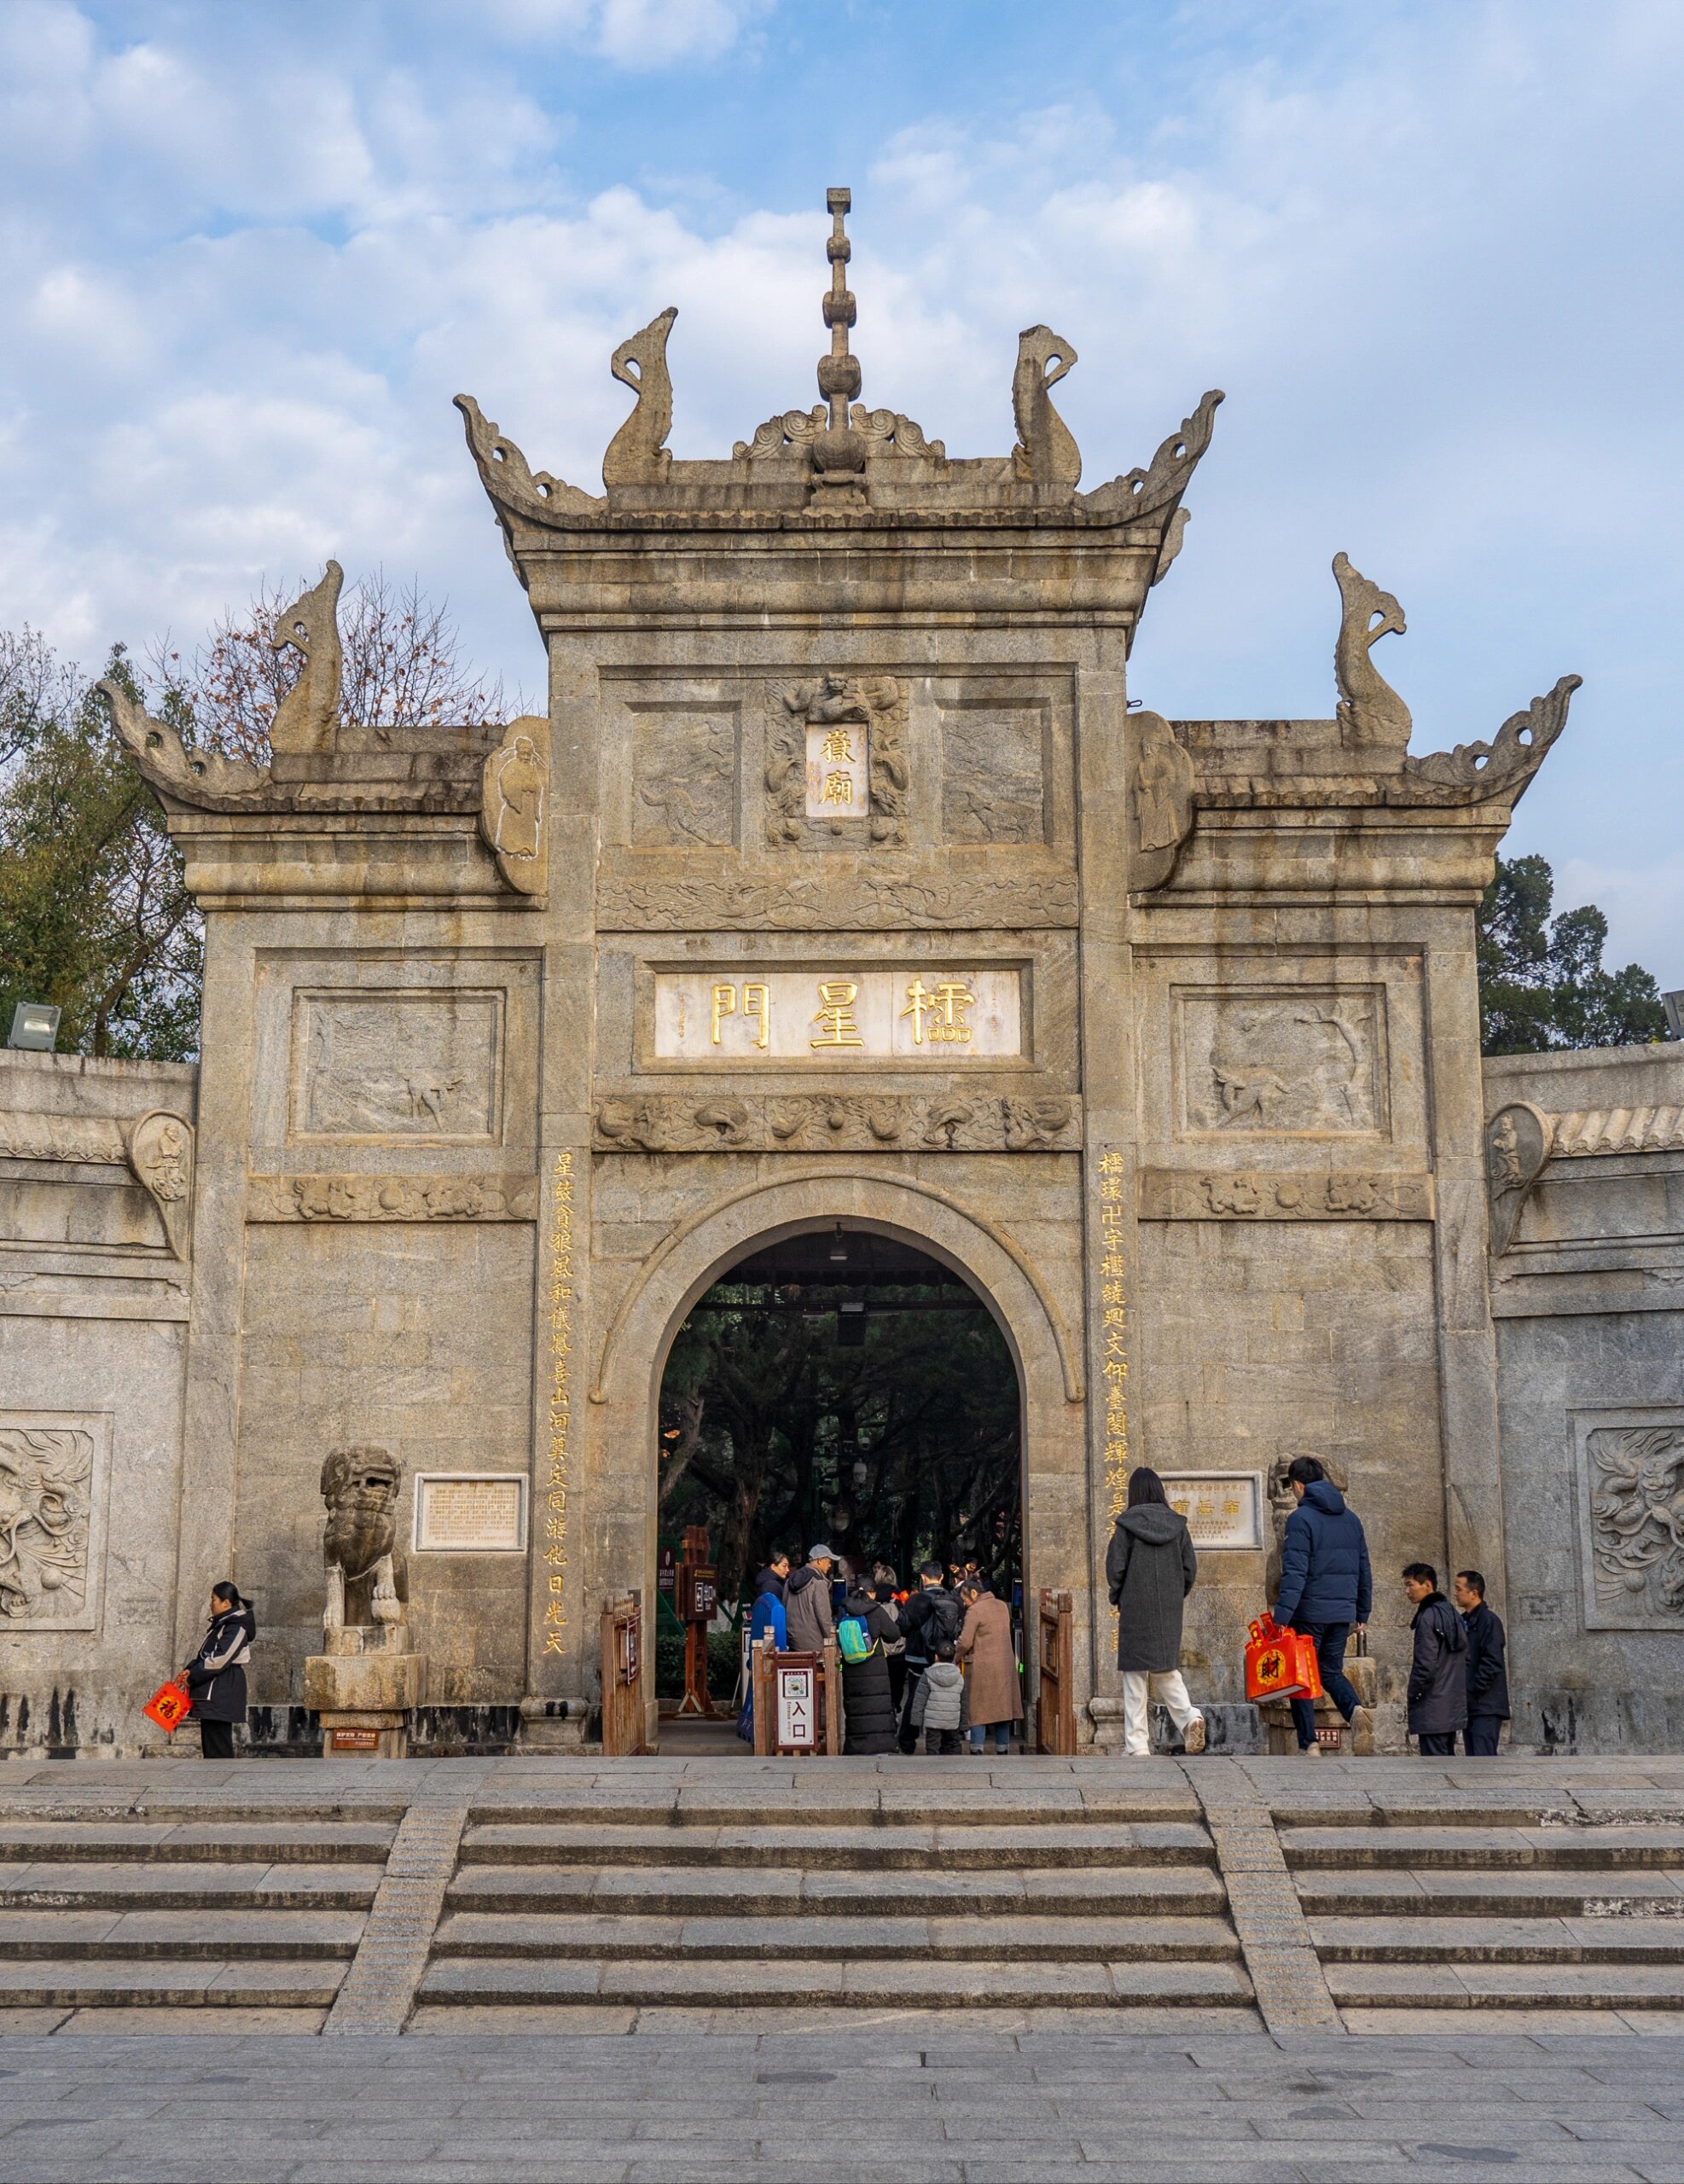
(839, 451)
(838, 372)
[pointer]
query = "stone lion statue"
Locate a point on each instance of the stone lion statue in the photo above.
(366, 1577)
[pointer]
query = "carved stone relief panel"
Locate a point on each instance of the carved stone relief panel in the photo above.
(1303, 1062)
(53, 1470)
(837, 773)
(993, 760)
(391, 1198)
(1631, 1516)
(684, 776)
(421, 1065)
(837, 1123)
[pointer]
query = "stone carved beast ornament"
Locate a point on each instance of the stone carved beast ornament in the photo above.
(366, 1577)
(636, 454)
(1371, 714)
(1637, 1517)
(307, 719)
(1045, 453)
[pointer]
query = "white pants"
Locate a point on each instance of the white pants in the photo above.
(1169, 1690)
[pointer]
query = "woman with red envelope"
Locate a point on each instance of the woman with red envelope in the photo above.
(216, 1676)
(1326, 1587)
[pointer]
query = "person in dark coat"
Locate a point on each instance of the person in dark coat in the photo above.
(767, 1621)
(932, 1617)
(883, 1592)
(868, 1709)
(1487, 1666)
(1438, 1674)
(216, 1676)
(1326, 1587)
(775, 1575)
(1150, 1567)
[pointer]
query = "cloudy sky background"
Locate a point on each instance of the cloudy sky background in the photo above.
(1430, 247)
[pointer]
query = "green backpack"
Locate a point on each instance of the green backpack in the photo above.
(855, 1641)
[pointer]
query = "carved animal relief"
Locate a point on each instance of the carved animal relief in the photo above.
(1636, 1486)
(1306, 1065)
(1045, 453)
(47, 1476)
(837, 1123)
(365, 1574)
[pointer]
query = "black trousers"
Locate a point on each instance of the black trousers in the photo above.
(908, 1738)
(1439, 1747)
(215, 1740)
(942, 1742)
(1479, 1738)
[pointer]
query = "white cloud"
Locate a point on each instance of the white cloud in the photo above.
(633, 34)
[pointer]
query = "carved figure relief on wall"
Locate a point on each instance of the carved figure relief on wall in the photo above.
(412, 1065)
(50, 1476)
(1634, 1482)
(992, 766)
(837, 763)
(1304, 1063)
(684, 778)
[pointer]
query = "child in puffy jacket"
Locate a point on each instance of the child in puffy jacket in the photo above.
(939, 1703)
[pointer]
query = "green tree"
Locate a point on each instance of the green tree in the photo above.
(1543, 982)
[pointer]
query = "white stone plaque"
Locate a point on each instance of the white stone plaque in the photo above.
(471, 1513)
(1223, 1508)
(922, 1012)
(798, 1709)
(839, 778)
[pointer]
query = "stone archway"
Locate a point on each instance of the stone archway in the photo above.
(624, 1401)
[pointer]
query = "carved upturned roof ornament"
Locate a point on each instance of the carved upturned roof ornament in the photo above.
(512, 486)
(1045, 453)
(638, 453)
(1475, 773)
(1371, 714)
(182, 774)
(307, 719)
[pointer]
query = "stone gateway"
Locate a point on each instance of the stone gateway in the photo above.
(839, 884)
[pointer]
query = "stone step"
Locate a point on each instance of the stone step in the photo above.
(945, 1847)
(99, 1983)
(845, 1806)
(1507, 1986)
(292, 1842)
(145, 1885)
(683, 1892)
(178, 1934)
(1522, 1891)
(992, 1939)
(1475, 1847)
(837, 1982)
(1464, 1940)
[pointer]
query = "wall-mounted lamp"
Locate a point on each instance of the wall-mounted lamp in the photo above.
(35, 1027)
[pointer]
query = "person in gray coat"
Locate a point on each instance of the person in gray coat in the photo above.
(1150, 1567)
(806, 1604)
(1438, 1674)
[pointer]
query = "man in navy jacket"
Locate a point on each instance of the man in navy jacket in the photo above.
(1326, 1587)
(1487, 1666)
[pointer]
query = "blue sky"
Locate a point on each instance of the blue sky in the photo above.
(1430, 249)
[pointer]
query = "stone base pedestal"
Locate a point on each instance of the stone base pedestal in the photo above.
(554, 1725)
(364, 1697)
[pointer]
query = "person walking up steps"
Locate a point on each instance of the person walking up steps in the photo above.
(1150, 1567)
(938, 1703)
(1326, 1587)
(932, 1615)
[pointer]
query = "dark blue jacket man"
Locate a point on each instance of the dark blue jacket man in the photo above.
(1325, 1588)
(1487, 1666)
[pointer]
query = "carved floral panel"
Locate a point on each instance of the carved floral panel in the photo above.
(1299, 1062)
(53, 1474)
(1631, 1487)
(417, 1064)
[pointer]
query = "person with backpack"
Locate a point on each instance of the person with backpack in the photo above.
(1326, 1587)
(862, 1638)
(931, 1616)
(938, 1704)
(1438, 1673)
(1150, 1567)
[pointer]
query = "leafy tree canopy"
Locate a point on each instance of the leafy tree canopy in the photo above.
(1543, 983)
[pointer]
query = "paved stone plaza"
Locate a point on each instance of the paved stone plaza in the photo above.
(903, 2099)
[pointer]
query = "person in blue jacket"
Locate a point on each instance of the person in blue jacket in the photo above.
(766, 1619)
(1326, 1589)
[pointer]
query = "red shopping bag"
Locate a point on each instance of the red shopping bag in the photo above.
(168, 1706)
(1280, 1663)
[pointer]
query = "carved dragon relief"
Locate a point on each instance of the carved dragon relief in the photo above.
(844, 1123)
(1045, 453)
(637, 455)
(1371, 717)
(307, 719)
(514, 488)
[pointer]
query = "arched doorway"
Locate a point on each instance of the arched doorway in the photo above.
(843, 1386)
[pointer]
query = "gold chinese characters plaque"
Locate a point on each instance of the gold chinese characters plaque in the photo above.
(923, 1013)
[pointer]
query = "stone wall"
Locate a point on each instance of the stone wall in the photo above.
(1589, 1306)
(93, 1303)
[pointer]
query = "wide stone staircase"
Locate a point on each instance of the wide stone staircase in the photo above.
(845, 1891)
(1558, 1902)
